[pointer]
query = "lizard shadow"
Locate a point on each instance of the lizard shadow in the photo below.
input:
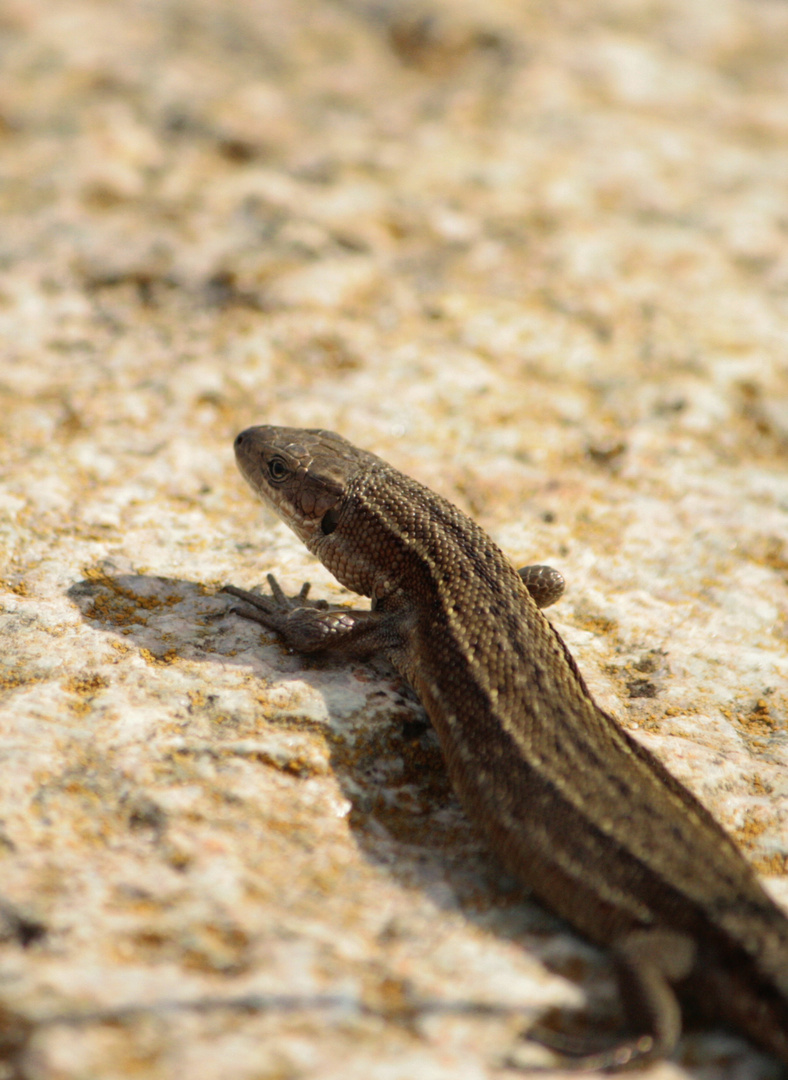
(382, 751)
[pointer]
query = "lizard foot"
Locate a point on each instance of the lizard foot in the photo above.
(310, 626)
(272, 611)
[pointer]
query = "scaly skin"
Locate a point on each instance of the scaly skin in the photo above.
(578, 810)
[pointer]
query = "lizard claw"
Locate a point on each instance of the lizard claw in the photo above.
(292, 603)
(288, 603)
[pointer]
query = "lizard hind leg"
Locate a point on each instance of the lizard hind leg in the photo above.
(648, 962)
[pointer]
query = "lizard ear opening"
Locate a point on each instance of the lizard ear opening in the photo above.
(329, 520)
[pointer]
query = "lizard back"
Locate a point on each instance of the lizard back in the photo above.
(573, 804)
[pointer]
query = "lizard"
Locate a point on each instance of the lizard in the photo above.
(573, 805)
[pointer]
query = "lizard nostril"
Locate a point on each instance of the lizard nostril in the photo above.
(240, 439)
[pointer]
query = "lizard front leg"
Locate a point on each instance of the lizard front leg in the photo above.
(309, 626)
(544, 584)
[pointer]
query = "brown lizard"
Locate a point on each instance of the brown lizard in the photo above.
(575, 807)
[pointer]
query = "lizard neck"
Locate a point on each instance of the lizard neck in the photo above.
(363, 551)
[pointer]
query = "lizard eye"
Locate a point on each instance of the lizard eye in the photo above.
(277, 470)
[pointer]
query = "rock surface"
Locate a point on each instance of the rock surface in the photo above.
(535, 255)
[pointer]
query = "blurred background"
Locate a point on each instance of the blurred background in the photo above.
(534, 254)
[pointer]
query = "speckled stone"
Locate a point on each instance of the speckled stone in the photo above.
(535, 255)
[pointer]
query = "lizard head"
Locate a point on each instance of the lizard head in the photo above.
(301, 473)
